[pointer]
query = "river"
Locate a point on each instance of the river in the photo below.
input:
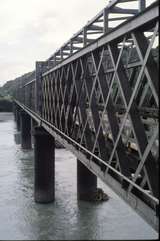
(65, 219)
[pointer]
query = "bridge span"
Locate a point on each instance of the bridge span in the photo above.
(98, 96)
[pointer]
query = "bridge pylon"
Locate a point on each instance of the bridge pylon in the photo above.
(44, 154)
(25, 121)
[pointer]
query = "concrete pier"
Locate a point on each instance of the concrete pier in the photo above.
(25, 130)
(44, 148)
(33, 125)
(17, 117)
(86, 182)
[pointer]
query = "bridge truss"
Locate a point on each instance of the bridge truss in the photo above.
(99, 98)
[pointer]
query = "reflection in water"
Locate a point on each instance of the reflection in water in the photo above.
(17, 138)
(66, 218)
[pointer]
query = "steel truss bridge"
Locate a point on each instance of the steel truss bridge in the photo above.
(98, 96)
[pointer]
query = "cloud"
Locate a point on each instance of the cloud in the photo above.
(32, 30)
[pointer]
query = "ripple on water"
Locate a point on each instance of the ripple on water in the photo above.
(66, 218)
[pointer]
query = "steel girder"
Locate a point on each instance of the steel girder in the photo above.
(94, 101)
(121, 72)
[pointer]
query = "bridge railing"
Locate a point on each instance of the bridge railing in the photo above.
(26, 94)
(114, 14)
(104, 101)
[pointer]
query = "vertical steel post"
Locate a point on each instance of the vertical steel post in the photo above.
(55, 59)
(41, 67)
(61, 53)
(105, 19)
(142, 5)
(84, 37)
(38, 92)
(71, 47)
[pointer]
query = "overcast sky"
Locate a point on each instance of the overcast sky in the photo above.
(32, 30)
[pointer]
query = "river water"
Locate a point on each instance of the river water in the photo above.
(65, 219)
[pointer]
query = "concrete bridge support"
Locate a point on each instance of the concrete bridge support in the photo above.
(44, 148)
(33, 125)
(18, 120)
(86, 182)
(16, 111)
(25, 131)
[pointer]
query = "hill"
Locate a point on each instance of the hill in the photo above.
(8, 89)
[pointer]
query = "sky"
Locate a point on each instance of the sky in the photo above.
(32, 30)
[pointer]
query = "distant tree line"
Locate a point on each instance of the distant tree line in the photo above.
(5, 104)
(8, 90)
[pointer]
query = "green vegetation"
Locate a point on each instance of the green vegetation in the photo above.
(7, 91)
(5, 101)
(9, 88)
(5, 104)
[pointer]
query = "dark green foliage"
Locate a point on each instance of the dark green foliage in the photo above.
(11, 86)
(5, 105)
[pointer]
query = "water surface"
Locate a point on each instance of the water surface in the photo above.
(65, 219)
